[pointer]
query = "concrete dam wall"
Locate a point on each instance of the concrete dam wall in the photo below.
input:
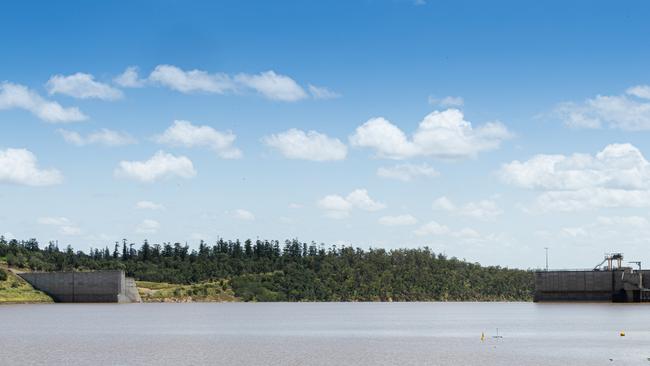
(617, 285)
(98, 286)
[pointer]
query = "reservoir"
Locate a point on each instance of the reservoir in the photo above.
(325, 334)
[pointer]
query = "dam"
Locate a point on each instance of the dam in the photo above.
(609, 281)
(95, 286)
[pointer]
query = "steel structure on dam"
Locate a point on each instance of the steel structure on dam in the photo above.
(96, 286)
(608, 281)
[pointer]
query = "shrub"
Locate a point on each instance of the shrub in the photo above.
(3, 275)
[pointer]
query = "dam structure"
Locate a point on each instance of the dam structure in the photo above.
(95, 286)
(609, 281)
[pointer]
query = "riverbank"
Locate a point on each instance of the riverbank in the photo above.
(217, 291)
(14, 290)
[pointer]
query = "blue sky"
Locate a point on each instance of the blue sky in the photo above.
(484, 130)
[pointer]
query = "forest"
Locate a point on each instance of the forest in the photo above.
(268, 270)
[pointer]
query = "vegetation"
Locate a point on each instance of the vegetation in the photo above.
(14, 289)
(268, 271)
(217, 291)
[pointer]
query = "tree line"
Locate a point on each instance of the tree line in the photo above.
(268, 270)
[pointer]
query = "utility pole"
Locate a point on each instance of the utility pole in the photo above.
(546, 249)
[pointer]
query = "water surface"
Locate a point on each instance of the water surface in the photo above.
(325, 334)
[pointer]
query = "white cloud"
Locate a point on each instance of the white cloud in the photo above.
(322, 93)
(19, 96)
(487, 210)
(334, 202)
(148, 226)
(465, 235)
(269, 84)
(444, 135)
(407, 172)
(148, 205)
(399, 220)
(295, 206)
(443, 203)
(244, 215)
(82, 86)
(639, 91)
(8, 236)
(130, 78)
(359, 198)
(339, 207)
(184, 133)
(627, 112)
(161, 165)
(630, 231)
(273, 86)
(617, 176)
(432, 228)
(20, 166)
(191, 81)
(63, 224)
(446, 101)
(296, 144)
(104, 137)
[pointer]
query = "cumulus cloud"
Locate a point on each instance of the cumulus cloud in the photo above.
(273, 86)
(269, 84)
(407, 172)
(464, 235)
(20, 166)
(130, 78)
(639, 91)
(444, 135)
(487, 210)
(82, 86)
(617, 176)
(432, 228)
(148, 205)
(339, 207)
(191, 81)
(148, 226)
(446, 101)
(241, 214)
(318, 92)
(296, 144)
(21, 97)
(161, 165)
(399, 220)
(630, 231)
(184, 133)
(63, 224)
(630, 111)
(104, 137)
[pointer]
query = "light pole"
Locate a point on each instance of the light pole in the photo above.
(546, 249)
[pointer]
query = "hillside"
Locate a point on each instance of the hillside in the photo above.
(294, 271)
(14, 289)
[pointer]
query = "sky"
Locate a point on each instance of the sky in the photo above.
(487, 131)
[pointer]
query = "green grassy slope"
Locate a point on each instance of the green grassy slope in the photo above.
(14, 290)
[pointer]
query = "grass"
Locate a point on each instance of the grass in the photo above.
(14, 290)
(217, 291)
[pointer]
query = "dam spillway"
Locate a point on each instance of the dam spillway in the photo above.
(613, 283)
(95, 286)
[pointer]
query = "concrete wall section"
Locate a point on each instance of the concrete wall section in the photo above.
(98, 286)
(575, 286)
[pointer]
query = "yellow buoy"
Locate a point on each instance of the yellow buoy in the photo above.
(482, 336)
(622, 334)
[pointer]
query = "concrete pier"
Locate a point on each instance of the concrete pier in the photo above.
(96, 286)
